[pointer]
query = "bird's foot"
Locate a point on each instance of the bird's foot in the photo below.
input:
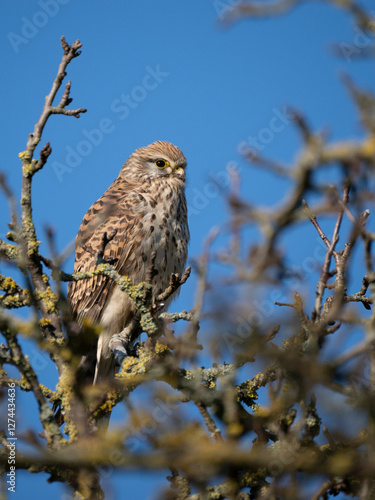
(118, 347)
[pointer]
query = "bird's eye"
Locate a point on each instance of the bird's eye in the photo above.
(162, 163)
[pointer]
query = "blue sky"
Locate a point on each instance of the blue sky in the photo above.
(171, 71)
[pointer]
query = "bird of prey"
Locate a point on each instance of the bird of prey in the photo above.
(145, 209)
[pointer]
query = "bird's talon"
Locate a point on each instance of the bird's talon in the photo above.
(119, 355)
(118, 348)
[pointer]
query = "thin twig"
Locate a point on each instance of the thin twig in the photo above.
(174, 284)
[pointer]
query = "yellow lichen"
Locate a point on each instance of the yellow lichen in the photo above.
(64, 392)
(44, 323)
(12, 301)
(49, 299)
(24, 384)
(8, 285)
(24, 155)
(27, 169)
(33, 247)
(10, 236)
(247, 388)
(10, 251)
(161, 348)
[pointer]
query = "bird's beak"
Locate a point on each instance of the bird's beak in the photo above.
(180, 172)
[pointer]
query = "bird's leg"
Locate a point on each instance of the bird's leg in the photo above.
(120, 341)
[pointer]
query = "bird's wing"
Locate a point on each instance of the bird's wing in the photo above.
(112, 212)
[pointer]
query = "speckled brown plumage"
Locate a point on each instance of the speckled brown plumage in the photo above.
(146, 206)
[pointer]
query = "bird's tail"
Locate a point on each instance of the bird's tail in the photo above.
(105, 371)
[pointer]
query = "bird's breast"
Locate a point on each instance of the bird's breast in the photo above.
(161, 227)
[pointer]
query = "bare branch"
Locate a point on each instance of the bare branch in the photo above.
(174, 284)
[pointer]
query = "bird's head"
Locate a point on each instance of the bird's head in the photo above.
(159, 159)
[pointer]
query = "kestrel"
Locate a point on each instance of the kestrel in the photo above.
(145, 207)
